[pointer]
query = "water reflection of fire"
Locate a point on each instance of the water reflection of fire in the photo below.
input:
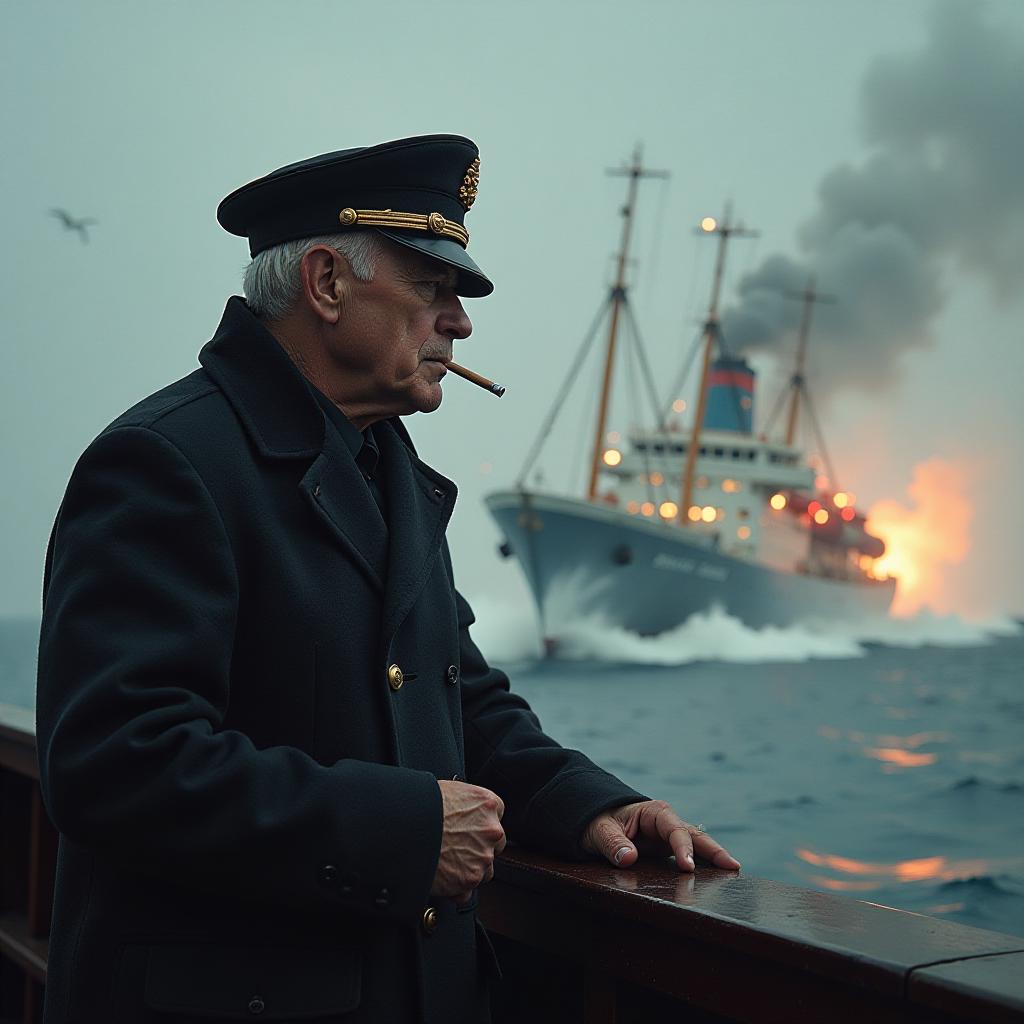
(900, 758)
(925, 538)
(922, 869)
(893, 751)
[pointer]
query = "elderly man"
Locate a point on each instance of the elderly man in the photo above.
(279, 765)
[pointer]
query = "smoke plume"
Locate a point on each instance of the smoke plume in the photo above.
(941, 192)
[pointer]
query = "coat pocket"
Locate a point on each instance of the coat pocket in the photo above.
(240, 982)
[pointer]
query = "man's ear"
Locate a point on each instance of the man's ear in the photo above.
(327, 280)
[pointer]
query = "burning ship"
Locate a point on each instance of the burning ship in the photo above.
(678, 518)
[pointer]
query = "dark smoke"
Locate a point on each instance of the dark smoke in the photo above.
(941, 193)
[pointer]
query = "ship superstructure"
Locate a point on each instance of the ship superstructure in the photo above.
(679, 518)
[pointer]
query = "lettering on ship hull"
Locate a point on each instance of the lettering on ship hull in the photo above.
(690, 565)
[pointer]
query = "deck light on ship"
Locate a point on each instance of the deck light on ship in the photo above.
(813, 507)
(848, 513)
(633, 507)
(709, 513)
(821, 516)
(821, 482)
(657, 479)
(668, 510)
(647, 508)
(778, 502)
(693, 513)
(612, 457)
(839, 499)
(708, 224)
(730, 486)
(679, 405)
(743, 532)
(614, 437)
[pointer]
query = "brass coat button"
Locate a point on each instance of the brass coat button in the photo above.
(430, 920)
(395, 677)
(256, 1005)
(452, 675)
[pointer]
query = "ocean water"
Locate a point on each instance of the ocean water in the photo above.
(883, 764)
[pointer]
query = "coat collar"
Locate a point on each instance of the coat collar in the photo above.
(266, 389)
(280, 413)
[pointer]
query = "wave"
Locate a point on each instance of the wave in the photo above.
(510, 632)
(981, 885)
(975, 784)
(927, 628)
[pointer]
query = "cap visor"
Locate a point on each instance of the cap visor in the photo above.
(472, 281)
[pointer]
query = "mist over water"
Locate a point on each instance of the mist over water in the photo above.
(510, 633)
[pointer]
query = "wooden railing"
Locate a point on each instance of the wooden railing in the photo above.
(28, 859)
(585, 942)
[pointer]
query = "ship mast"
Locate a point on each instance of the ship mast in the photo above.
(724, 229)
(797, 381)
(634, 172)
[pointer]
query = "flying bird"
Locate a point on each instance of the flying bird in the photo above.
(72, 224)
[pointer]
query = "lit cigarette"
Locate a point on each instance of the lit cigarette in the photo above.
(488, 385)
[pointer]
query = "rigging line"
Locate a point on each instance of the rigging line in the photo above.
(681, 379)
(549, 420)
(780, 398)
(645, 366)
(833, 482)
(657, 237)
(635, 399)
(579, 466)
(688, 301)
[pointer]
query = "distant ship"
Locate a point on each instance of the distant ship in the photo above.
(679, 519)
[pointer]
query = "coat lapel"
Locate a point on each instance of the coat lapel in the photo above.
(341, 498)
(271, 398)
(420, 503)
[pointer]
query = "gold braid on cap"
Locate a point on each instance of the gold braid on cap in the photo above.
(431, 223)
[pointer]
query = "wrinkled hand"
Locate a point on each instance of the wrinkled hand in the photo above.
(613, 835)
(472, 836)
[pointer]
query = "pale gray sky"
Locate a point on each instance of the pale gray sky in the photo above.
(144, 115)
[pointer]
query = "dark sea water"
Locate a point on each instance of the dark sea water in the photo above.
(889, 772)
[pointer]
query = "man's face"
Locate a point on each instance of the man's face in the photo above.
(395, 334)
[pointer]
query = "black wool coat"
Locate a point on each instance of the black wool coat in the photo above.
(248, 808)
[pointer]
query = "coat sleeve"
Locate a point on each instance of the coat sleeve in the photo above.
(140, 606)
(551, 793)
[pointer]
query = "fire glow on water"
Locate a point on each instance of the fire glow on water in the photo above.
(925, 538)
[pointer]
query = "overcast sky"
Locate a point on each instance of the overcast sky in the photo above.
(145, 115)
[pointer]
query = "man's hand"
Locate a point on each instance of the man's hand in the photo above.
(612, 835)
(472, 836)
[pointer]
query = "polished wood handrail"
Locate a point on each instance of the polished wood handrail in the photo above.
(725, 945)
(743, 948)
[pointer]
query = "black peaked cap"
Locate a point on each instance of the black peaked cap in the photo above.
(414, 191)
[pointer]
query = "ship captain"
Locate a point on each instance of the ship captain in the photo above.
(279, 765)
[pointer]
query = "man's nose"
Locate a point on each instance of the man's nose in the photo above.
(453, 320)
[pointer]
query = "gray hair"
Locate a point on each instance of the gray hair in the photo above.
(272, 281)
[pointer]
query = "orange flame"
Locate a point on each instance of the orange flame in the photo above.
(921, 540)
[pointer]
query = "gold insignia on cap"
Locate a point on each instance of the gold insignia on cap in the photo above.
(470, 183)
(435, 223)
